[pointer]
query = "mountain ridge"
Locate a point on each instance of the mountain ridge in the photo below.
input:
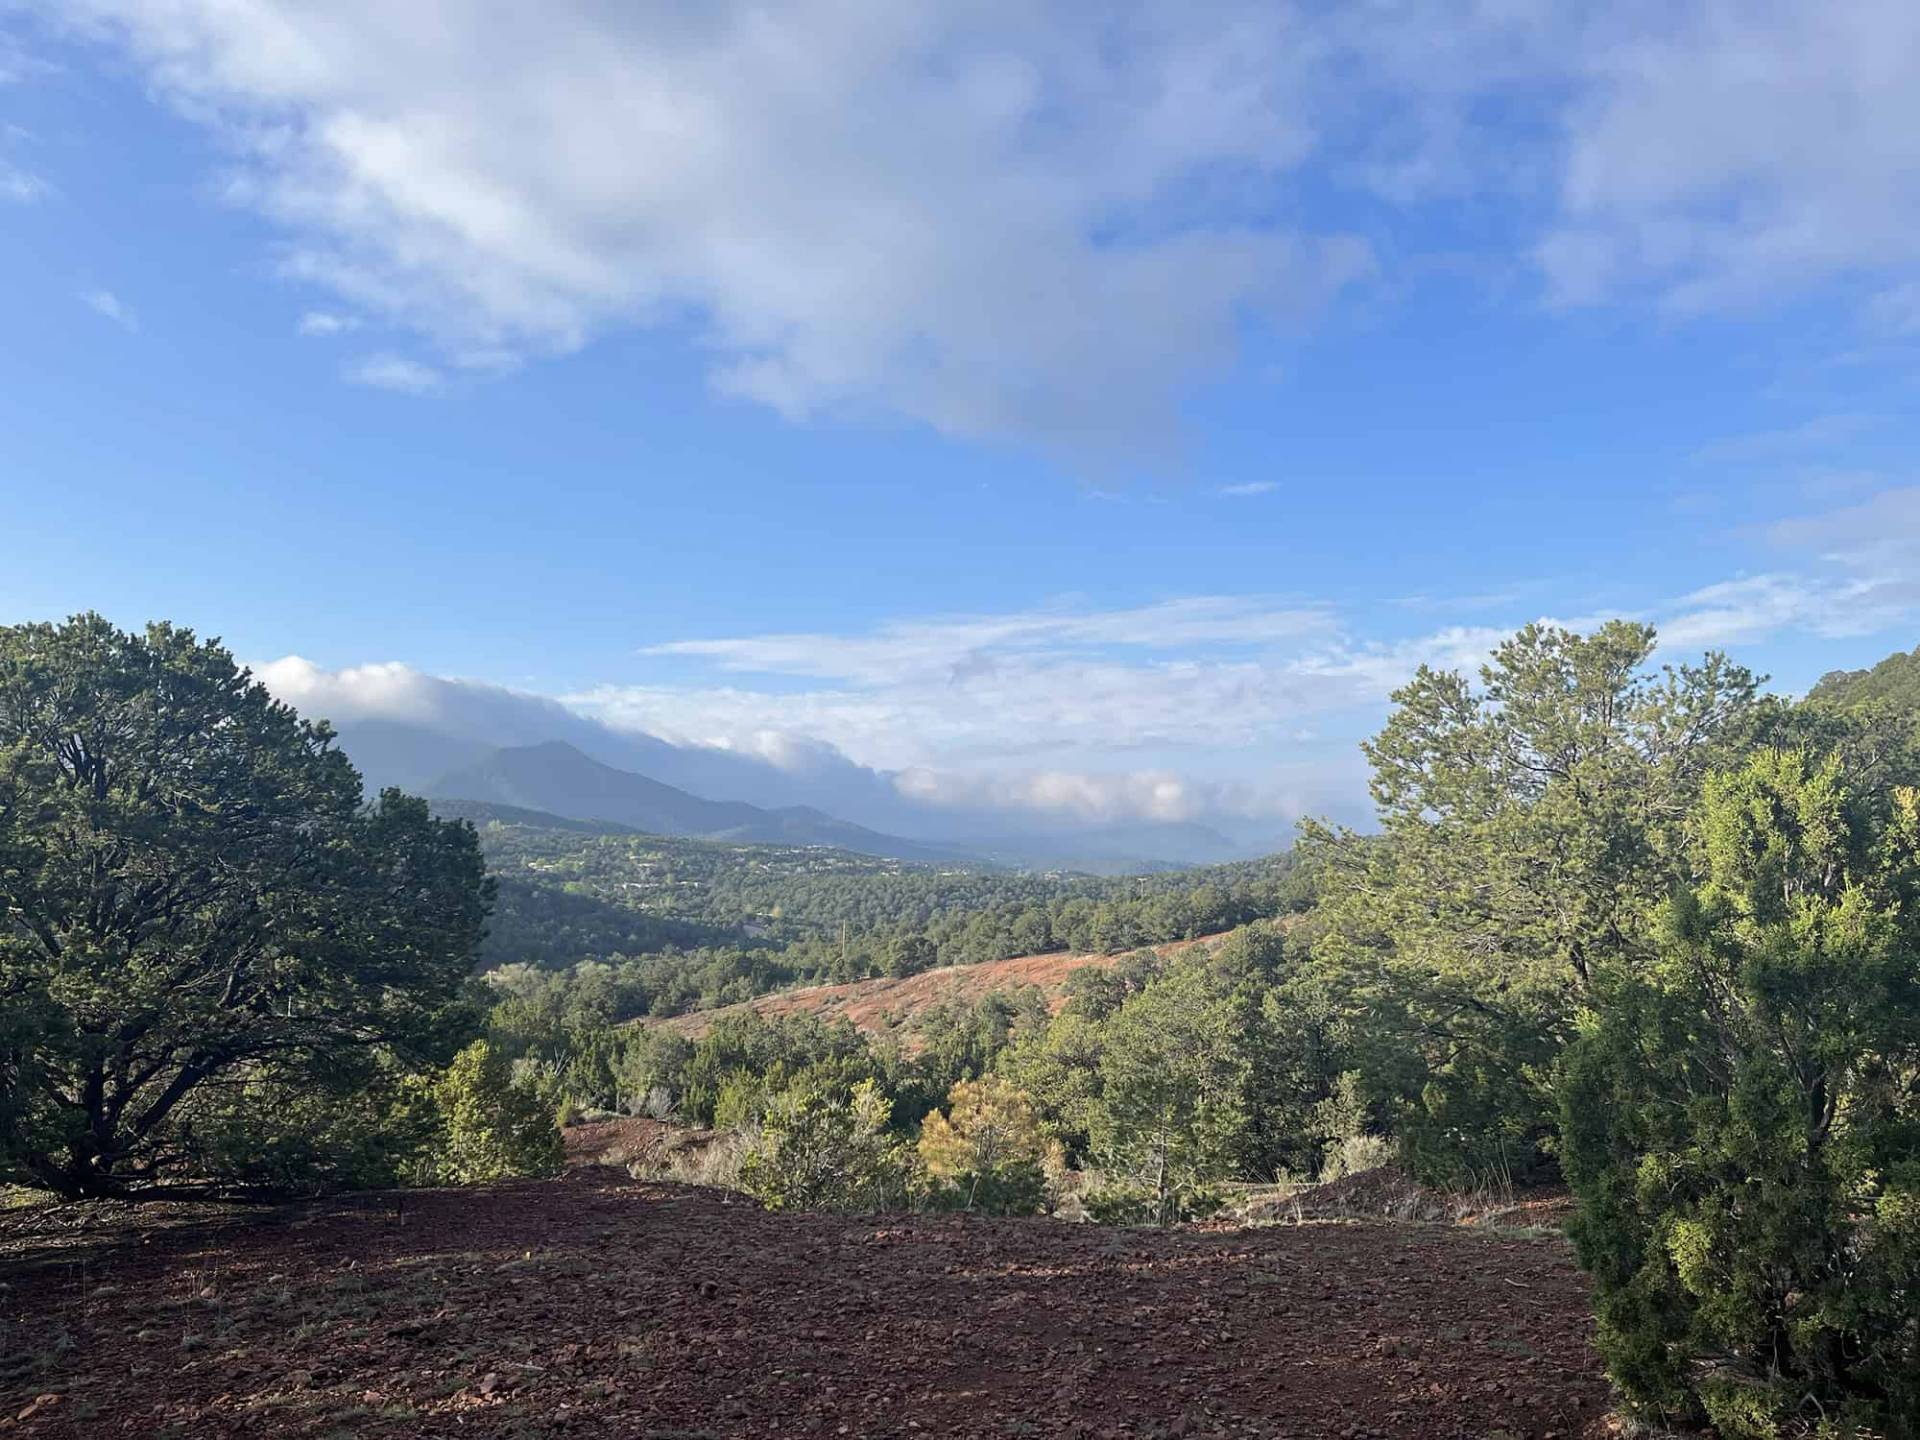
(557, 778)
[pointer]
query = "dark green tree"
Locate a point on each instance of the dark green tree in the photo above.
(1529, 827)
(1742, 1119)
(490, 1127)
(1179, 1080)
(195, 904)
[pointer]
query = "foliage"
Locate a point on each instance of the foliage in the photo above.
(825, 1147)
(1177, 1073)
(772, 1051)
(1528, 829)
(1893, 683)
(491, 1127)
(1742, 1119)
(1131, 1202)
(198, 910)
(722, 923)
(985, 1152)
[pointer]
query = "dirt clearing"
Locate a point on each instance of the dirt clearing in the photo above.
(596, 1305)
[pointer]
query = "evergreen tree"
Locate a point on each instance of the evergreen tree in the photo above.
(195, 905)
(986, 1149)
(1742, 1119)
(1528, 829)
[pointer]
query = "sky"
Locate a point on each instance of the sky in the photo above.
(1068, 412)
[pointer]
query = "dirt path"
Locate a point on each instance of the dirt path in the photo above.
(595, 1305)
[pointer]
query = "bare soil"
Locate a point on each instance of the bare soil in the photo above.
(885, 1006)
(599, 1305)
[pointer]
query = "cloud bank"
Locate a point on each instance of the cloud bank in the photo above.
(1214, 708)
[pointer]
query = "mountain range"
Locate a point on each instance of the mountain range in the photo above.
(558, 780)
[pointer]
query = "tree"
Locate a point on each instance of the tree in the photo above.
(1742, 1119)
(987, 1148)
(822, 1147)
(909, 954)
(195, 905)
(1529, 827)
(491, 1127)
(1176, 1110)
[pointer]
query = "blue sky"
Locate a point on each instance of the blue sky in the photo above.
(1067, 420)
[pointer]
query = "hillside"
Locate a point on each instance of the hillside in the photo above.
(886, 1006)
(558, 779)
(1895, 681)
(600, 1305)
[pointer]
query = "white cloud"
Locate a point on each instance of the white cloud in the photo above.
(18, 184)
(1732, 154)
(1251, 487)
(1001, 220)
(22, 187)
(106, 303)
(1201, 674)
(1860, 575)
(1880, 533)
(392, 690)
(1201, 708)
(954, 649)
(325, 322)
(1275, 793)
(396, 373)
(1822, 432)
(1030, 222)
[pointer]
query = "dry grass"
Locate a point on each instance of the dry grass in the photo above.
(893, 1007)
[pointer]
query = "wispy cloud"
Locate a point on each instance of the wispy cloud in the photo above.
(106, 303)
(1251, 487)
(1809, 437)
(325, 322)
(1027, 692)
(395, 373)
(22, 187)
(943, 648)
(1857, 573)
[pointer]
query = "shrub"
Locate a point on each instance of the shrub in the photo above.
(985, 1152)
(742, 1101)
(821, 1147)
(1356, 1155)
(1742, 1126)
(1127, 1202)
(492, 1127)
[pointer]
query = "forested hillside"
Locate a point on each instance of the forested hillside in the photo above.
(692, 923)
(1894, 682)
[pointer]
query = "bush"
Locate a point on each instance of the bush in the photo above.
(821, 1147)
(491, 1127)
(1742, 1129)
(1126, 1202)
(1356, 1155)
(985, 1152)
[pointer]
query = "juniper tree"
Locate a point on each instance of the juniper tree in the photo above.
(1742, 1119)
(196, 907)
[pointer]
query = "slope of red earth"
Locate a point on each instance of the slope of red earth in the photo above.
(598, 1305)
(883, 1006)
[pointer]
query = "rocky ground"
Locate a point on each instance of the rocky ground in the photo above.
(600, 1305)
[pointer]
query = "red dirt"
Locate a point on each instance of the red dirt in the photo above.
(597, 1305)
(883, 1006)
